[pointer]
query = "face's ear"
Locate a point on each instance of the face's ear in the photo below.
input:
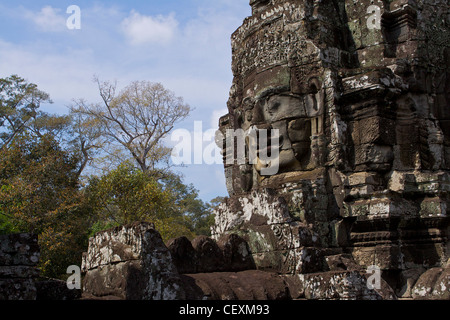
(314, 85)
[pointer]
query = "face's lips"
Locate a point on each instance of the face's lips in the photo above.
(260, 148)
(268, 148)
(260, 164)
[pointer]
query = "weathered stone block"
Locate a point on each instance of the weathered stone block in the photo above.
(19, 272)
(433, 285)
(19, 259)
(386, 257)
(123, 280)
(19, 243)
(296, 285)
(426, 254)
(246, 285)
(118, 245)
(17, 289)
(183, 254)
(209, 256)
(277, 77)
(306, 260)
(19, 249)
(364, 178)
(131, 262)
(433, 207)
(408, 279)
(373, 157)
(344, 285)
(56, 290)
(341, 262)
(402, 182)
(236, 253)
(261, 239)
(373, 130)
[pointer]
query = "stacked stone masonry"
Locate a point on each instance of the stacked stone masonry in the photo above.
(19, 256)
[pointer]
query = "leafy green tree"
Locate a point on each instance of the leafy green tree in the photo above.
(188, 204)
(33, 175)
(127, 194)
(39, 193)
(39, 176)
(43, 156)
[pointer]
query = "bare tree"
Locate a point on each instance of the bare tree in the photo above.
(137, 119)
(86, 138)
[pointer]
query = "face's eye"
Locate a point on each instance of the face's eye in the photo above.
(273, 106)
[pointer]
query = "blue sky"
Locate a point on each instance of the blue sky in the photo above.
(185, 45)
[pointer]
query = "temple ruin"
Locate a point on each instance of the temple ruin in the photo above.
(362, 110)
(359, 92)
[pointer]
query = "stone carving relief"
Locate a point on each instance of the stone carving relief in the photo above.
(363, 132)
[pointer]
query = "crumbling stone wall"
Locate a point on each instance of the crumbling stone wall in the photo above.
(131, 262)
(205, 255)
(364, 167)
(19, 256)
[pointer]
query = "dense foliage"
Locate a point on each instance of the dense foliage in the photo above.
(43, 189)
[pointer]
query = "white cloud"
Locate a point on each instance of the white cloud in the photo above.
(64, 76)
(49, 19)
(141, 29)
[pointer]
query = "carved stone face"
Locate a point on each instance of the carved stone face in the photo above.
(364, 108)
(277, 110)
(298, 119)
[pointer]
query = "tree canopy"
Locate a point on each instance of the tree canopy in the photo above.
(43, 156)
(19, 104)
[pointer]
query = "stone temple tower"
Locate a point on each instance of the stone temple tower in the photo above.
(359, 92)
